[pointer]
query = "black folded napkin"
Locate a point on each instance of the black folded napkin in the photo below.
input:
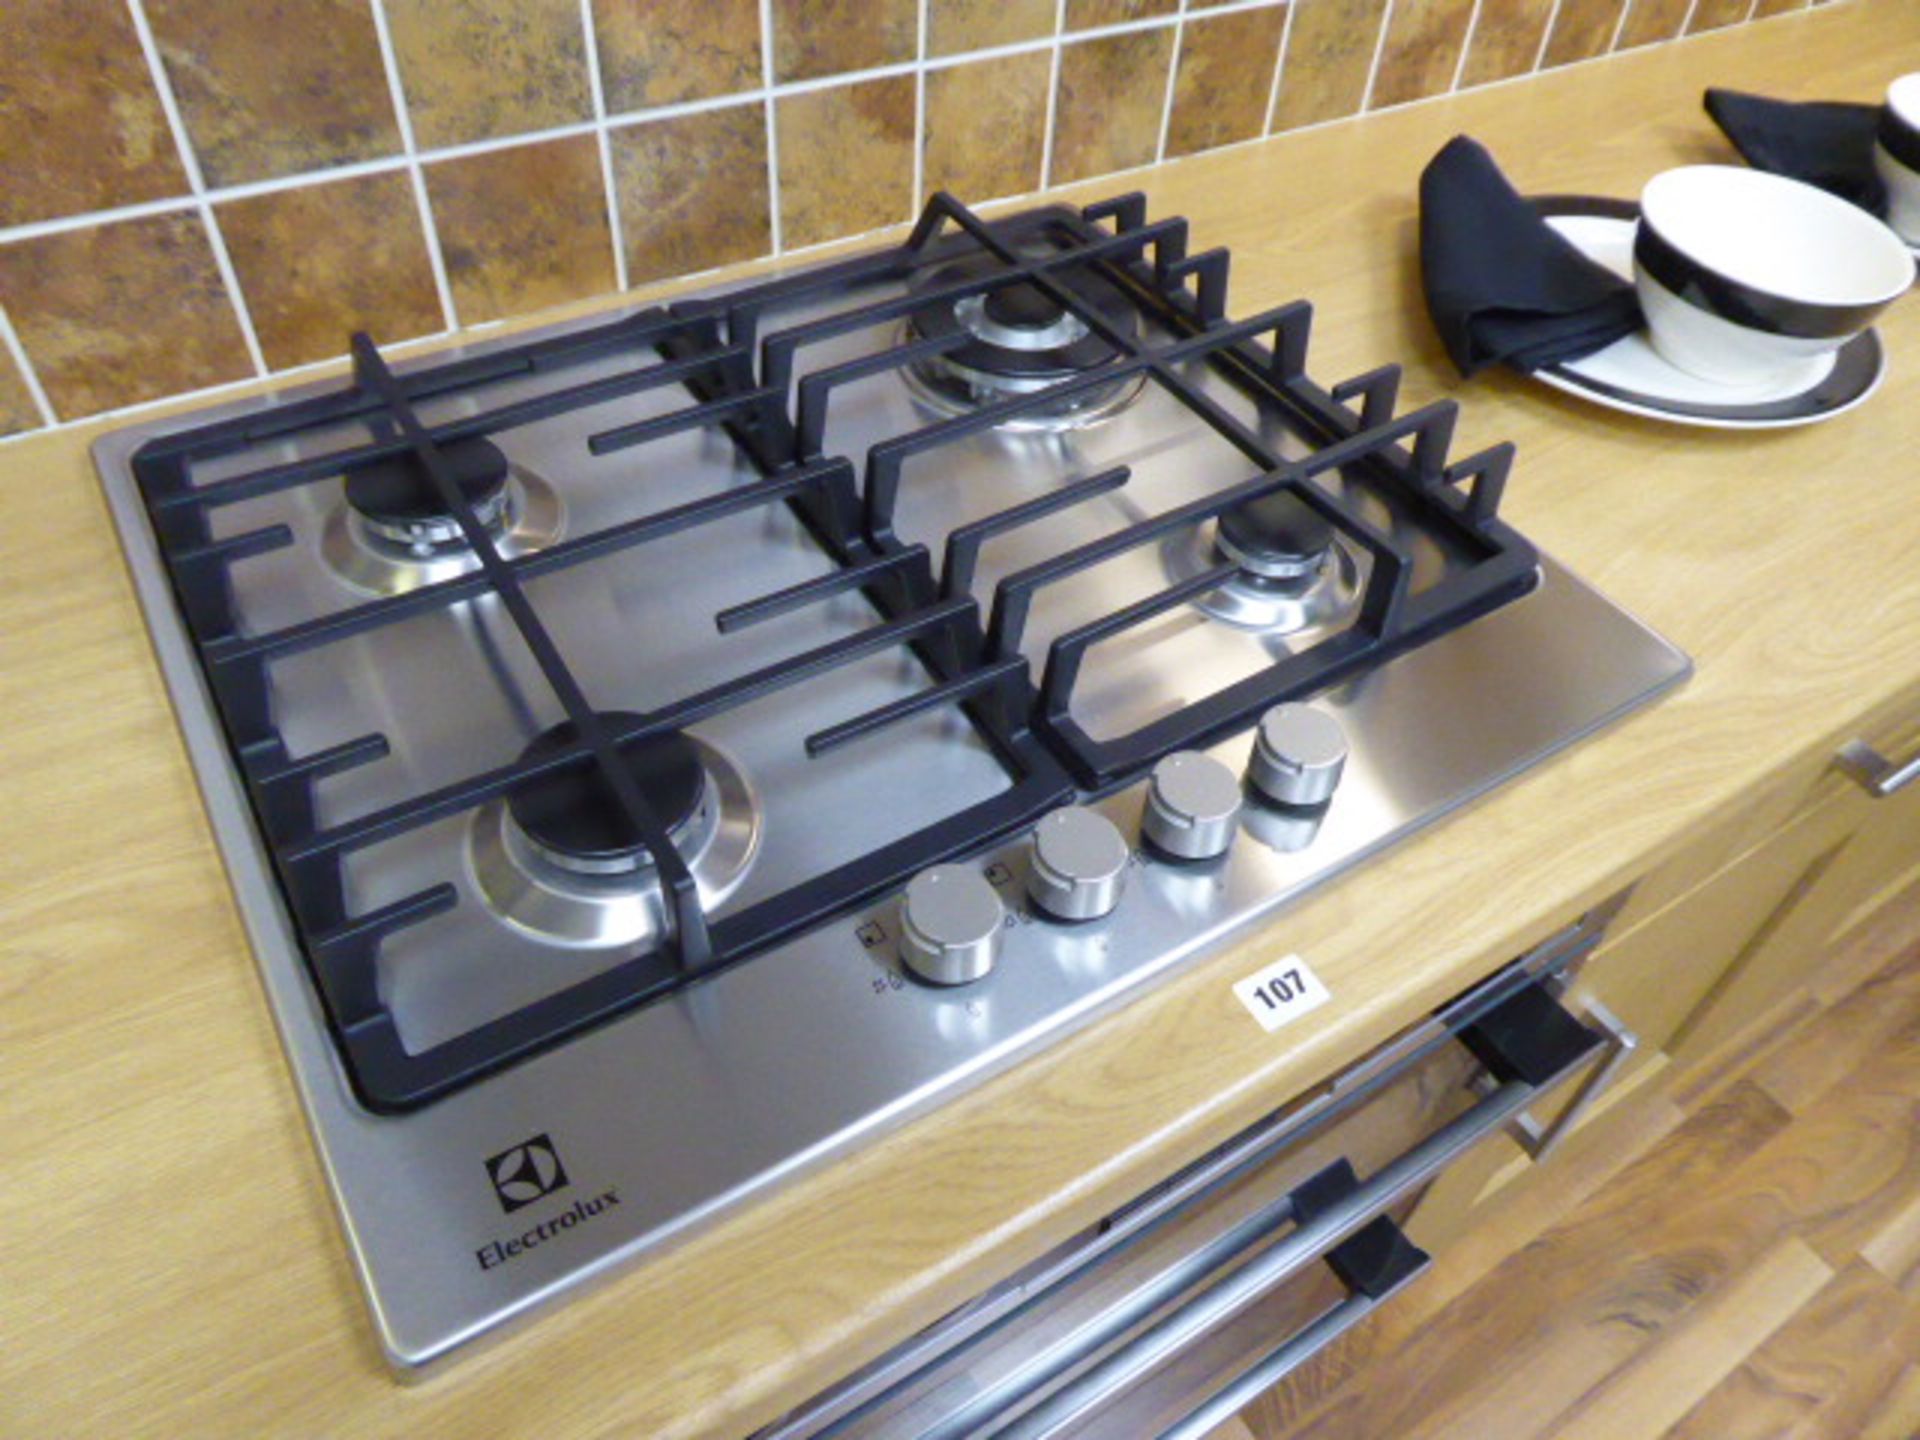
(1828, 143)
(1502, 285)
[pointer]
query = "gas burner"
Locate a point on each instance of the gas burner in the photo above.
(558, 859)
(391, 533)
(1295, 573)
(1022, 340)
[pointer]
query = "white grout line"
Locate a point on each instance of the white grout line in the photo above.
(414, 157)
(773, 128)
(1693, 7)
(10, 340)
(1279, 69)
(1466, 46)
(184, 398)
(197, 183)
(40, 229)
(1053, 91)
(1173, 75)
(615, 231)
(410, 158)
(919, 110)
(1546, 39)
(1626, 13)
(1379, 49)
(1752, 10)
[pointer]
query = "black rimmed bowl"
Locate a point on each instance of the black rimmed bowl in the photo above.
(1896, 156)
(1743, 274)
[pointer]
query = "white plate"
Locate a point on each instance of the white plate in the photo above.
(1630, 375)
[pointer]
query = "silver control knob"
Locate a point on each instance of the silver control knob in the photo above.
(1298, 754)
(1193, 805)
(950, 925)
(1079, 864)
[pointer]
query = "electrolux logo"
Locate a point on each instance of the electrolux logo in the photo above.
(528, 1172)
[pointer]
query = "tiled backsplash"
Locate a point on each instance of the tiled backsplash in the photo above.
(197, 192)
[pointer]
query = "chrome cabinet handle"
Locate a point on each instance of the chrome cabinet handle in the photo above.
(1530, 1042)
(1539, 1140)
(1266, 1373)
(1873, 772)
(1273, 1267)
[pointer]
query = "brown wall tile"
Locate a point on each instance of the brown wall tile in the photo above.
(1088, 14)
(1506, 39)
(1582, 30)
(812, 38)
(656, 52)
(1651, 21)
(957, 25)
(1716, 14)
(116, 314)
(846, 159)
(275, 87)
(1224, 79)
(1112, 91)
(987, 126)
(522, 229)
(81, 126)
(317, 263)
(1328, 56)
(1422, 50)
(1769, 8)
(17, 410)
(693, 191)
(480, 69)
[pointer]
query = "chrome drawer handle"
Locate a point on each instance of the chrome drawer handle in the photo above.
(1530, 1044)
(1273, 1267)
(1873, 772)
(1530, 1062)
(1540, 1140)
(1316, 1336)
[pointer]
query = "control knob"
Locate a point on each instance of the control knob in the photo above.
(1298, 754)
(1079, 864)
(950, 923)
(1193, 806)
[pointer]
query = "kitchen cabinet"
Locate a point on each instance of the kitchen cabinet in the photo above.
(1733, 932)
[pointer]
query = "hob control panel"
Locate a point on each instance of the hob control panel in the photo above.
(952, 920)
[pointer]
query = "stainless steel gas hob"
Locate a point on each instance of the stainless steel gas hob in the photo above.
(658, 753)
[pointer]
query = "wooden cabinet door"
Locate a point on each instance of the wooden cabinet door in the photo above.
(1879, 855)
(1658, 978)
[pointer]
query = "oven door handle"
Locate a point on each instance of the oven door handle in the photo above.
(1362, 1297)
(1313, 1337)
(1529, 1049)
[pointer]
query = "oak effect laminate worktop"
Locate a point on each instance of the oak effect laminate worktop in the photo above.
(168, 1261)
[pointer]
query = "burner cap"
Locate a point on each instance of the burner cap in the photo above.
(1023, 307)
(398, 492)
(1277, 537)
(572, 815)
(1019, 333)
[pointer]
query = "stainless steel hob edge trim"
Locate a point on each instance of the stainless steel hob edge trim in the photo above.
(263, 913)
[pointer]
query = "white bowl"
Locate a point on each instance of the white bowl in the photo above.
(1896, 156)
(1744, 274)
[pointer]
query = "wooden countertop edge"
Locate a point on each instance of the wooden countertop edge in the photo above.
(740, 1322)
